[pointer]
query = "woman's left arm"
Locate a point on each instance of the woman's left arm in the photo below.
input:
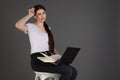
(55, 51)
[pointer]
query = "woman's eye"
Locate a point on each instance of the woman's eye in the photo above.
(43, 12)
(39, 14)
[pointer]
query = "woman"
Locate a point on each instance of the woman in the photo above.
(41, 40)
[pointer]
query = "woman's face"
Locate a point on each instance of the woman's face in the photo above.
(40, 15)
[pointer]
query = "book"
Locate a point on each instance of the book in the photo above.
(50, 59)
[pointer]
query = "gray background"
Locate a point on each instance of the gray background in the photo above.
(92, 25)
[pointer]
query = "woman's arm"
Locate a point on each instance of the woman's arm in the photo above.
(55, 51)
(21, 23)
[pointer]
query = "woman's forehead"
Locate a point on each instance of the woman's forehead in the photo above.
(40, 10)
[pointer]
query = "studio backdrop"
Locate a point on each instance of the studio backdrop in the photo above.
(92, 25)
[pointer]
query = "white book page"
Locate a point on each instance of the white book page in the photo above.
(52, 58)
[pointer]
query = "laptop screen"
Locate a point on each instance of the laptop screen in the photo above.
(69, 55)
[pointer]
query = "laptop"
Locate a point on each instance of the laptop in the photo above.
(68, 56)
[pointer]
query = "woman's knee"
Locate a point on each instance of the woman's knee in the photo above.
(74, 71)
(66, 70)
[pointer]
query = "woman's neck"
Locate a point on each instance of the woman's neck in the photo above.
(40, 24)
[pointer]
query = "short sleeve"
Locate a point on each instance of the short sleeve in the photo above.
(27, 25)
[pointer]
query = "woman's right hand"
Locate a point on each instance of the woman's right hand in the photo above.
(31, 12)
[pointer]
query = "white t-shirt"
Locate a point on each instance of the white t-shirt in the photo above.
(38, 38)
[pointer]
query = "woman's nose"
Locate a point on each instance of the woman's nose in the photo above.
(42, 15)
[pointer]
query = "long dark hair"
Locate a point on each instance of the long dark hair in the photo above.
(50, 35)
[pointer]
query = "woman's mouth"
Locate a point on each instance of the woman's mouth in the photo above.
(42, 18)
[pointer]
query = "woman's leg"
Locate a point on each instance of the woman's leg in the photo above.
(67, 72)
(74, 73)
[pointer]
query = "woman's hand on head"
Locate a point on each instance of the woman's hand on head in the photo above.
(31, 12)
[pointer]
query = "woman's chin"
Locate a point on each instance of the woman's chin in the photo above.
(42, 21)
